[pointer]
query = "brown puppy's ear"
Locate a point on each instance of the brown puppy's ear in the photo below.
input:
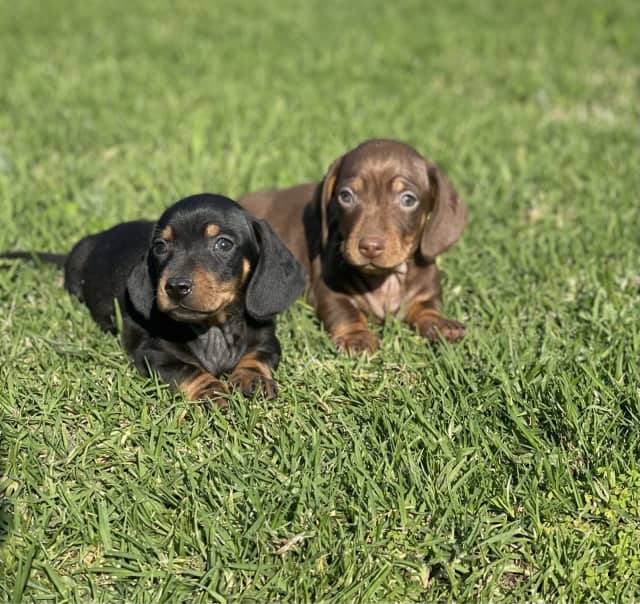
(278, 278)
(448, 216)
(323, 195)
(140, 287)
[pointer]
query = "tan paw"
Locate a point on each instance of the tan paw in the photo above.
(204, 386)
(434, 327)
(357, 342)
(249, 381)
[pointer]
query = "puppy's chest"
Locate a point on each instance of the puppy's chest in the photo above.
(381, 296)
(219, 350)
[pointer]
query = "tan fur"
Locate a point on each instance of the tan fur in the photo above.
(345, 329)
(199, 383)
(162, 299)
(211, 230)
(208, 296)
(397, 185)
(246, 269)
(251, 362)
(250, 373)
(209, 293)
(357, 184)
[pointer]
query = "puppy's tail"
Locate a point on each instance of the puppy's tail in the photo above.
(47, 257)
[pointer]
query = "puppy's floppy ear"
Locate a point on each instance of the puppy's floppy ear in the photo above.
(140, 287)
(278, 278)
(323, 195)
(448, 215)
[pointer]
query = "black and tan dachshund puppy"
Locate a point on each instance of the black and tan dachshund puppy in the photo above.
(197, 292)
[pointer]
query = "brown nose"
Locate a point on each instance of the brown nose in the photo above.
(371, 247)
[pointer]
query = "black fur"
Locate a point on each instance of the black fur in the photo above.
(259, 274)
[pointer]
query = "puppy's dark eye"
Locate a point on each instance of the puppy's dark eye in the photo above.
(160, 247)
(223, 244)
(408, 200)
(345, 197)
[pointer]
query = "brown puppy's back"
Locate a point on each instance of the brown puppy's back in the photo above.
(284, 209)
(369, 234)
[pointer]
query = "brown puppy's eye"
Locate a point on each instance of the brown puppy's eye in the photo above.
(408, 200)
(223, 244)
(345, 197)
(160, 247)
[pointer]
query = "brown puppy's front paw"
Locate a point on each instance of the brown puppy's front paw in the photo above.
(248, 381)
(357, 342)
(434, 327)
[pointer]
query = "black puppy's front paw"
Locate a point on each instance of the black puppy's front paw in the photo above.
(248, 381)
(204, 386)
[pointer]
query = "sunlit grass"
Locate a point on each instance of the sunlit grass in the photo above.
(502, 469)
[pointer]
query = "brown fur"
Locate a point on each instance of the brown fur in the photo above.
(365, 251)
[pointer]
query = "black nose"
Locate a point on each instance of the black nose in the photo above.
(178, 287)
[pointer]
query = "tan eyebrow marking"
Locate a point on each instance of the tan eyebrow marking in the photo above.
(398, 185)
(357, 184)
(167, 233)
(211, 230)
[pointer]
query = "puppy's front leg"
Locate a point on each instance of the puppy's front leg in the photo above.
(198, 385)
(253, 371)
(193, 381)
(346, 323)
(423, 314)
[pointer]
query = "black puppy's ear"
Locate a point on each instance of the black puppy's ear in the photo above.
(448, 216)
(278, 278)
(140, 287)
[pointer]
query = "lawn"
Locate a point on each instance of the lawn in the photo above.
(502, 469)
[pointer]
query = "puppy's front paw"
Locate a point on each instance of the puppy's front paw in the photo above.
(248, 381)
(204, 386)
(357, 342)
(434, 326)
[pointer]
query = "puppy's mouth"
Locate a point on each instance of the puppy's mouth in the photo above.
(384, 263)
(187, 314)
(374, 269)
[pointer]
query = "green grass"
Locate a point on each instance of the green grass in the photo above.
(502, 469)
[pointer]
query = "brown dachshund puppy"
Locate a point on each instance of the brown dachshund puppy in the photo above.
(368, 235)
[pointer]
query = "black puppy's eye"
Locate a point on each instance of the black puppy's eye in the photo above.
(345, 197)
(160, 247)
(223, 244)
(408, 200)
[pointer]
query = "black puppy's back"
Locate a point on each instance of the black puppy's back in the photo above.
(97, 267)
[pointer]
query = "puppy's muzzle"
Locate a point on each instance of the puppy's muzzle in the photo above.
(178, 288)
(371, 247)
